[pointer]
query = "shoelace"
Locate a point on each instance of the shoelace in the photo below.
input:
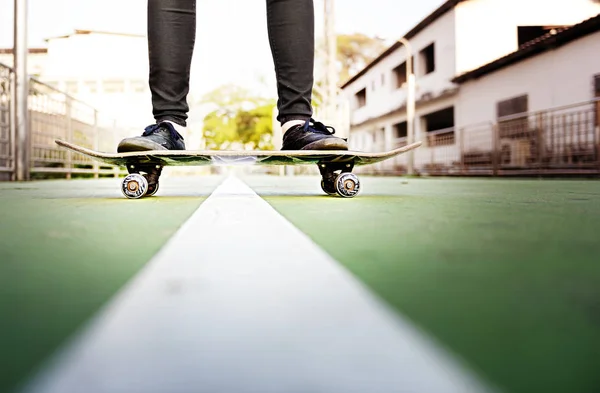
(151, 129)
(318, 127)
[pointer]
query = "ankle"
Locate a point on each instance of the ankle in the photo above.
(291, 123)
(179, 128)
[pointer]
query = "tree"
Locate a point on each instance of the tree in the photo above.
(355, 51)
(238, 117)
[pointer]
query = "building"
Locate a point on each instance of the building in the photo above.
(544, 99)
(36, 59)
(108, 71)
(459, 37)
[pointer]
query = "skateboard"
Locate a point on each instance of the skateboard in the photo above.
(145, 167)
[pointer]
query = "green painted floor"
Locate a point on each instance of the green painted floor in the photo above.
(505, 273)
(66, 247)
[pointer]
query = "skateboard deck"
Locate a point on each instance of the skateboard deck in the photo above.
(335, 165)
(241, 157)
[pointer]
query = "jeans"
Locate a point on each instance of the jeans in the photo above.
(171, 36)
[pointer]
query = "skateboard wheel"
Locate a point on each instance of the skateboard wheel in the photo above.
(347, 185)
(152, 188)
(134, 186)
(328, 187)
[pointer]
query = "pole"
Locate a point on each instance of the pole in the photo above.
(21, 90)
(331, 54)
(410, 103)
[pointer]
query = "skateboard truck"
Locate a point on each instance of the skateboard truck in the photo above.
(137, 185)
(337, 178)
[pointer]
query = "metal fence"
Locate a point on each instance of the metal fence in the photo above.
(6, 127)
(558, 141)
(53, 115)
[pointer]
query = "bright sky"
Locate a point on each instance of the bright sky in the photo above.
(231, 44)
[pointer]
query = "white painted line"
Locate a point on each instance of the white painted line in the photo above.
(239, 300)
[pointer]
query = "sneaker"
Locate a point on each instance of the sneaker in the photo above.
(161, 136)
(312, 136)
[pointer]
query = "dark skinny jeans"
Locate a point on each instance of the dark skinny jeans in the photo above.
(171, 36)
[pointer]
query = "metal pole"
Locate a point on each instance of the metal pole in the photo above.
(13, 127)
(331, 54)
(95, 164)
(410, 103)
(21, 90)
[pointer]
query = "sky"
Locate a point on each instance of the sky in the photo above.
(231, 39)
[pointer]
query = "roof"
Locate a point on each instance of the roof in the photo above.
(435, 15)
(84, 32)
(547, 42)
(9, 51)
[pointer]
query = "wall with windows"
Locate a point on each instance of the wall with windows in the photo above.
(564, 76)
(383, 89)
(489, 29)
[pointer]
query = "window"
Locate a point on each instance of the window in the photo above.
(91, 86)
(514, 126)
(72, 87)
(512, 106)
(427, 60)
(529, 33)
(400, 73)
(401, 130)
(361, 98)
(138, 86)
(440, 127)
(113, 86)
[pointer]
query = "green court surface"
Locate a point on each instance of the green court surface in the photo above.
(504, 273)
(66, 247)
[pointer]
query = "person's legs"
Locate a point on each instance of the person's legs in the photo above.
(171, 37)
(292, 38)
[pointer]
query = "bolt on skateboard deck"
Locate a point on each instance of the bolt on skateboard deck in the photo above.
(144, 167)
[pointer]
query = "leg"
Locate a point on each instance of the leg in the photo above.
(291, 35)
(291, 28)
(171, 36)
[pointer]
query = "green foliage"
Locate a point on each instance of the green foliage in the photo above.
(355, 51)
(239, 118)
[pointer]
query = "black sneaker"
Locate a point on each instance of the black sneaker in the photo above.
(312, 136)
(161, 136)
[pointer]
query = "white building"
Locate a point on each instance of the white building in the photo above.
(36, 59)
(545, 94)
(106, 70)
(459, 37)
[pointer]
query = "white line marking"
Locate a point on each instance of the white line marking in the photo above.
(239, 300)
